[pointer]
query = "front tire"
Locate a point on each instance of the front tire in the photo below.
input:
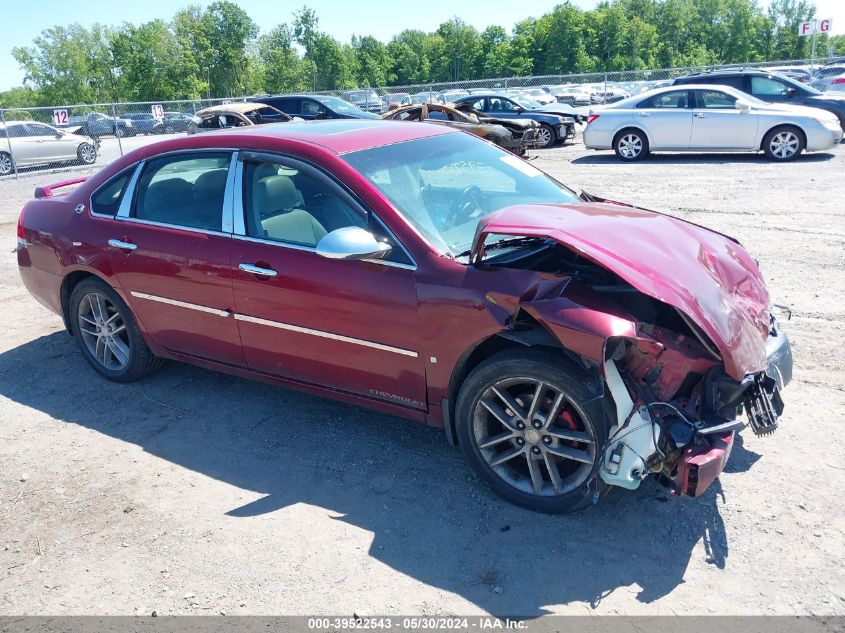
(107, 333)
(546, 136)
(87, 154)
(532, 430)
(630, 145)
(783, 143)
(6, 164)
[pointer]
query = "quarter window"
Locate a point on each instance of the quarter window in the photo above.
(184, 190)
(106, 200)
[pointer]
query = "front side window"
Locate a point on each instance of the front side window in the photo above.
(672, 100)
(715, 99)
(185, 190)
(443, 184)
(767, 87)
(284, 204)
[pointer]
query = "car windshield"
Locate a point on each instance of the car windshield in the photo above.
(444, 184)
(339, 105)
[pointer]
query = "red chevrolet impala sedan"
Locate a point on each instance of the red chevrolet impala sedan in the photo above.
(565, 342)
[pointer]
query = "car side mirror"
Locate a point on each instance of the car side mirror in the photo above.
(743, 106)
(351, 242)
(791, 92)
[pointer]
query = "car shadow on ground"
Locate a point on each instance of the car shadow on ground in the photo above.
(607, 158)
(430, 518)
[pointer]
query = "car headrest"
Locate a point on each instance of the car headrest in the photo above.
(164, 194)
(211, 184)
(275, 193)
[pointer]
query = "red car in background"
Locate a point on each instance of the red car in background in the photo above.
(567, 343)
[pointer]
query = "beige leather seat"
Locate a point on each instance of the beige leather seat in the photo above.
(294, 226)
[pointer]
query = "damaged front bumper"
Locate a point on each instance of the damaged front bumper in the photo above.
(688, 455)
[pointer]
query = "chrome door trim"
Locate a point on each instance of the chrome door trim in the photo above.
(257, 270)
(181, 304)
(229, 195)
(180, 227)
(238, 225)
(328, 335)
(128, 195)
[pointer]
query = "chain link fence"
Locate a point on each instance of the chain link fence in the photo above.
(79, 139)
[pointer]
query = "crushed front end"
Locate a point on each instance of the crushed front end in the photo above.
(675, 317)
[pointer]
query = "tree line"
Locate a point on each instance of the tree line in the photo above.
(220, 51)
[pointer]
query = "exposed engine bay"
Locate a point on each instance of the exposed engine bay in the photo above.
(676, 408)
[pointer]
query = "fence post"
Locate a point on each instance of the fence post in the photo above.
(116, 128)
(9, 142)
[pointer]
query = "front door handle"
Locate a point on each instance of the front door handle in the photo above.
(124, 246)
(643, 113)
(257, 270)
(700, 115)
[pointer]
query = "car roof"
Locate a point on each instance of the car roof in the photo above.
(336, 135)
(243, 108)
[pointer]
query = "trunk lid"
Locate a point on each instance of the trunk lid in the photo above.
(711, 278)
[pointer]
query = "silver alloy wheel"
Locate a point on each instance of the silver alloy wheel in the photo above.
(120, 132)
(630, 146)
(104, 331)
(784, 144)
(5, 164)
(168, 129)
(533, 437)
(544, 137)
(87, 153)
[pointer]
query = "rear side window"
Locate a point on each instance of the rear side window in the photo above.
(184, 190)
(106, 200)
(677, 99)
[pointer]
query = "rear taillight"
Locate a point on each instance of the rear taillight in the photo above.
(21, 234)
(592, 118)
(838, 80)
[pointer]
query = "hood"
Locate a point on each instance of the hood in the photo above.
(707, 276)
(557, 108)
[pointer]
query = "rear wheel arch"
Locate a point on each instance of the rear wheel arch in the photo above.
(631, 128)
(71, 281)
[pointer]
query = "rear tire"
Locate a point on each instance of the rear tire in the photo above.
(524, 413)
(107, 334)
(783, 143)
(630, 145)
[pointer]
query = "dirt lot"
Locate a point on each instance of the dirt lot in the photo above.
(194, 492)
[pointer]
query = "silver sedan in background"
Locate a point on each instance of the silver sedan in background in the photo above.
(27, 143)
(709, 118)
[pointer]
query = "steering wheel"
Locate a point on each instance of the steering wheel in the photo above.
(470, 204)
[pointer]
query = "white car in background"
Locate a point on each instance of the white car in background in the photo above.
(29, 143)
(714, 118)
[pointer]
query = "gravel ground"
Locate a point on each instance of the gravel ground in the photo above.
(197, 493)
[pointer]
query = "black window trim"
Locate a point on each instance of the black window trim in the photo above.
(337, 187)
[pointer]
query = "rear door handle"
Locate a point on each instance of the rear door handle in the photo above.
(700, 115)
(643, 113)
(257, 270)
(124, 246)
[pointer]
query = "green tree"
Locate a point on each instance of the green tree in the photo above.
(284, 71)
(230, 31)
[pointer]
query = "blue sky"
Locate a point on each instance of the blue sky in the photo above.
(340, 18)
(23, 20)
